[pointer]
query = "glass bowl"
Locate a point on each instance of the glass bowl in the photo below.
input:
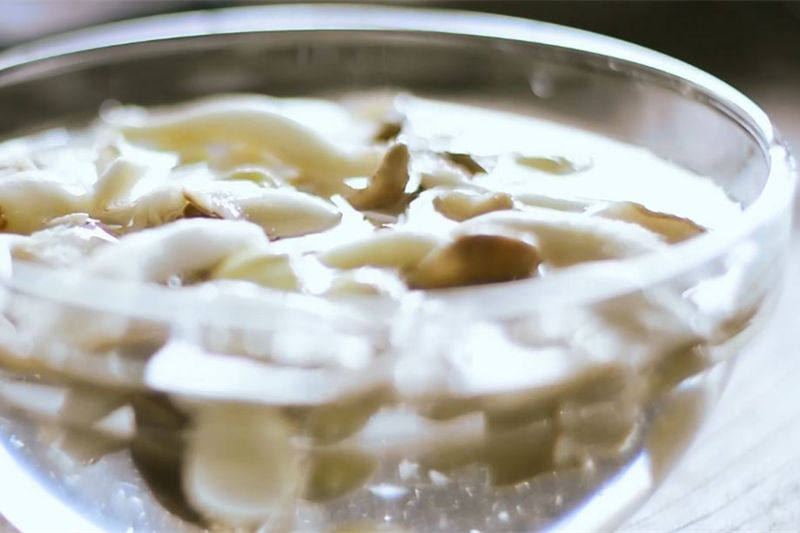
(111, 390)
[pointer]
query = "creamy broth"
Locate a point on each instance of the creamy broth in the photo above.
(384, 195)
(349, 196)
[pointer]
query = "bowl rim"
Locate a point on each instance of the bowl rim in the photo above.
(579, 285)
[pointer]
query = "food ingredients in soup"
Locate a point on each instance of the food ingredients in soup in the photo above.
(432, 194)
(393, 200)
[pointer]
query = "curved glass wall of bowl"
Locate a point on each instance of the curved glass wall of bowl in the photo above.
(385, 463)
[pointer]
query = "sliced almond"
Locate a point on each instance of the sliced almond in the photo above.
(552, 164)
(460, 205)
(192, 246)
(565, 238)
(388, 130)
(466, 161)
(116, 182)
(366, 281)
(255, 174)
(475, 259)
(673, 228)
(245, 125)
(333, 422)
(240, 466)
(270, 270)
(64, 242)
(164, 203)
(337, 472)
(387, 186)
(399, 249)
(30, 200)
(280, 212)
(575, 205)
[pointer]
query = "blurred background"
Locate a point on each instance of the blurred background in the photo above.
(752, 45)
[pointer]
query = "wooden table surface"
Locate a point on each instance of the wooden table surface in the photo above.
(743, 471)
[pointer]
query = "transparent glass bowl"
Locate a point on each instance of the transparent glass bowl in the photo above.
(96, 427)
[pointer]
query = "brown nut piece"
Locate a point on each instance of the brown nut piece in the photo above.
(388, 184)
(388, 130)
(465, 161)
(553, 164)
(458, 205)
(520, 454)
(473, 260)
(337, 472)
(672, 227)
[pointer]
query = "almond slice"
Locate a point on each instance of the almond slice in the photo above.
(400, 249)
(388, 184)
(244, 125)
(475, 259)
(194, 246)
(672, 227)
(388, 130)
(116, 182)
(552, 164)
(240, 466)
(30, 200)
(460, 205)
(280, 212)
(565, 238)
(465, 161)
(270, 270)
(337, 472)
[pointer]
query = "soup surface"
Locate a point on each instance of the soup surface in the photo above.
(370, 194)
